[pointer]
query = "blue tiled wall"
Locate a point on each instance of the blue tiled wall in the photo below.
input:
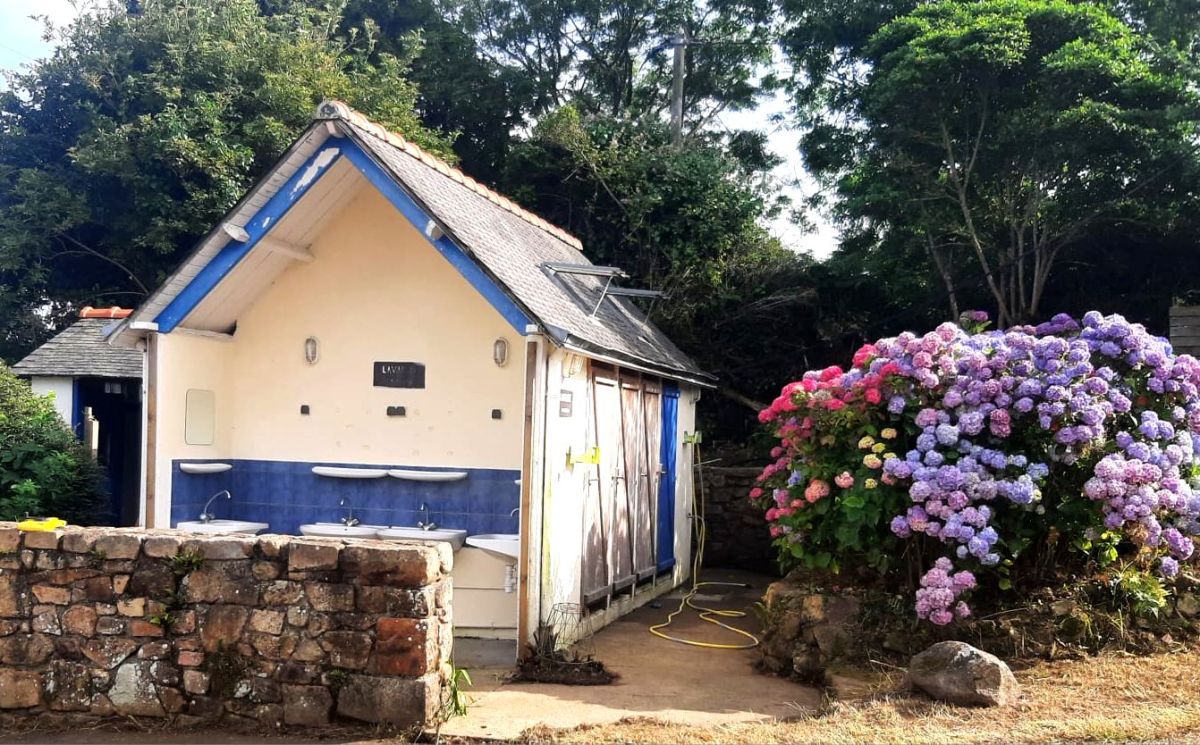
(287, 495)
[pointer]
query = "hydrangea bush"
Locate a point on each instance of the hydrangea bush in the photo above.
(1007, 452)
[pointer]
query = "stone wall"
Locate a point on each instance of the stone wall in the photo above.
(737, 530)
(269, 629)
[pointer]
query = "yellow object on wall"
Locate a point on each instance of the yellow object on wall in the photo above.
(41, 525)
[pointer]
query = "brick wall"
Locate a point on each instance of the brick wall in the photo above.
(107, 621)
(737, 530)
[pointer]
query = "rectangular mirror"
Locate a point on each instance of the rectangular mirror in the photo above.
(200, 417)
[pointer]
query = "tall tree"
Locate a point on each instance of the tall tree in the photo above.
(999, 133)
(147, 122)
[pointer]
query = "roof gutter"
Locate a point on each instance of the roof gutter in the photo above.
(700, 379)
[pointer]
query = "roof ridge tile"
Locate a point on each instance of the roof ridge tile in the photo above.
(334, 109)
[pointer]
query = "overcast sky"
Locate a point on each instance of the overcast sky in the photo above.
(21, 43)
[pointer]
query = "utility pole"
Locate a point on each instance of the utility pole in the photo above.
(680, 44)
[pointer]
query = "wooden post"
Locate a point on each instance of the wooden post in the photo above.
(151, 404)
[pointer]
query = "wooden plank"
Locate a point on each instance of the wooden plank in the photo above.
(1185, 311)
(151, 404)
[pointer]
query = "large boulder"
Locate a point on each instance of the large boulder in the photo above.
(961, 674)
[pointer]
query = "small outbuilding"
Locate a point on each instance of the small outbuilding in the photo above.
(97, 392)
(372, 337)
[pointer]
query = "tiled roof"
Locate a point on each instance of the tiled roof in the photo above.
(80, 350)
(514, 246)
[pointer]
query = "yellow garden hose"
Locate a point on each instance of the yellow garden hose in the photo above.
(711, 615)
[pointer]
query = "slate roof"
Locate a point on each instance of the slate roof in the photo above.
(509, 243)
(81, 350)
(514, 247)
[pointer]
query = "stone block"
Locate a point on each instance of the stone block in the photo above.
(78, 541)
(274, 546)
(120, 583)
(132, 607)
(116, 546)
(403, 647)
(222, 626)
(404, 702)
(190, 658)
(47, 622)
(162, 546)
(326, 597)
(163, 673)
(151, 579)
(67, 686)
(172, 700)
(308, 650)
(273, 647)
(139, 627)
(97, 589)
(206, 708)
(51, 594)
(307, 556)
(282, 592)
(265, 691)
(397, 566)
(185, 622)
(10, 598)
(265, 571)
(297, 615)
(110, 625)
(226, 548)
(20, 689)
(347, 649)
(109, 652)
(133, 692)
(294, 672)
(306, 705)
(25, 649)
(228, 582)
(159, 650)
(267, 621)
(195, 682)
(10, 539)
(46, 540)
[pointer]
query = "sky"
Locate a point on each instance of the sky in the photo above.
(21, 43)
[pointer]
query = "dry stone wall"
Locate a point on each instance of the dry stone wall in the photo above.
(738, 535)
(269, 629)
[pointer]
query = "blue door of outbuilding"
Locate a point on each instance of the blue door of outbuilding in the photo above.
(666, 484)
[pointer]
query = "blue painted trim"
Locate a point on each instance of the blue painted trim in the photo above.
(458, 258)
(666, 486)
(228, 257)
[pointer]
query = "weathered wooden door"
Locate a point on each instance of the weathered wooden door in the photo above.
(597, 512)
(648, 506)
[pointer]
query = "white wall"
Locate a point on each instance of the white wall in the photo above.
(63, 390)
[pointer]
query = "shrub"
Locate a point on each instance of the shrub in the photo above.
(44, 470)
(1015, 454)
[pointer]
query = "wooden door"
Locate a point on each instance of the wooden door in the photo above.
(597, 515)
(648, 506)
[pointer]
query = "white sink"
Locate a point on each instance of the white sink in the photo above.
(501, 545)
(337, 530)
(222, 526)
(455, 538)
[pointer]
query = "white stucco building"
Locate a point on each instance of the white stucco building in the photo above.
(371, 330)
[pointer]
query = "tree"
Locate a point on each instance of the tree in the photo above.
(1001, 132)
(44, 470)
(148, 122)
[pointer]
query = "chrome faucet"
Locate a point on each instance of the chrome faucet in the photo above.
(205, 515)
(514, 512)
(349, 520)
(426, 525)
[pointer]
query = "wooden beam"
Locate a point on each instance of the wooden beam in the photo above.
(151, 444)
(298, 253)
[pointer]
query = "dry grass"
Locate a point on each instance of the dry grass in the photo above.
(1103, 699)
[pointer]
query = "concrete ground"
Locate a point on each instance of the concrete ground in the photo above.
(658, 678)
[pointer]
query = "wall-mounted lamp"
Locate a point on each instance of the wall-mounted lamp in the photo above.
(312, 350)
(500, 352)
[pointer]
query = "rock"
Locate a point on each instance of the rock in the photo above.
(401, 649)
(222, 626)
(305, 556)
(133, 692)
(189, 658)
(10, 540)
(47, 540)
(396, 566)
(80, 620)
(98, 589)
(47, 622)
(68, 686)
(961, 674)
(49, 594)
(266, 621)
(162, 546)
(25, 649)
(109, 652)
(227, 548)
(132, 607)
(78, 541)
(159, 650)
(221, 582)
(282, 592)
(195, 682)
(1188, 605)
(347, 649)
(20, 689)
(306, 705)
(1062, 608)
(110, 625)
(404, 702)
(265, 571)
(140, 627)
(326, 597)
(10, 599)
(118, 546)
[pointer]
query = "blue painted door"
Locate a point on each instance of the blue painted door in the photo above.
(666, 484)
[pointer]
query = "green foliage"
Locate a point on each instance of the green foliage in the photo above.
(456, 703)
(1140, 591)
(186, 561)
(44, 470)
(143, 128)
